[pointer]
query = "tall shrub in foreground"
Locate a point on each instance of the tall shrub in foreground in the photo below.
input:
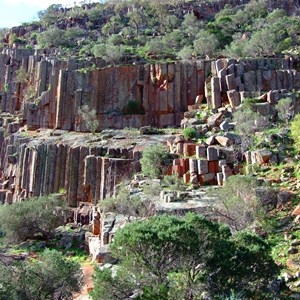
(167, 257)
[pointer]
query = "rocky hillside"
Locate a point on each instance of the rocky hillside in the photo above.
(126, 115)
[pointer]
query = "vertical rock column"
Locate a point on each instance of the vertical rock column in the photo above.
(216, 92)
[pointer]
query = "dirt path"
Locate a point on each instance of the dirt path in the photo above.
(88, 272)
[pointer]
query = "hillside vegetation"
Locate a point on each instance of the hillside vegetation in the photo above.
(118, 31)
(206, 210)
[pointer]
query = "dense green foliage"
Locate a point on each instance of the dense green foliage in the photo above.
(50, 277)
(117, 31)
(153, 159)
(248, 121)
(35, 218)
(166, 257)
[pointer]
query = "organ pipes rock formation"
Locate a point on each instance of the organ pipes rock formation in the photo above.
(49, 159)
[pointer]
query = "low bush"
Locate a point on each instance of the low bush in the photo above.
(189, 133)
(133, 108)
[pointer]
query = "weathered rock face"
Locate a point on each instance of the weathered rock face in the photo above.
(87, 170)
(34, 164)
(53, 92)
(233, 80)
(161, 92)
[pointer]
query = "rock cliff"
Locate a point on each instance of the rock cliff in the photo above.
(50, 96)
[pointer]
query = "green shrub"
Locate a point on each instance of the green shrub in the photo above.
(168, 257)
(34, 218)
(185, 53)
(126, 204)
(189, 133)
(295, 131)
(110, 53)
(153, 159)
(235, 203)
(89, 116)
(50, 277)
(205, 43)
(21, 75)
(284, 109)
(156, 46)
(53, 37)
(133, 108)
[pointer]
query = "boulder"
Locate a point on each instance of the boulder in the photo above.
(235, 138)
(104, 256)
(283, 198)
(211, 141)
(215, 119)
(223, 141)
(220, 178)
(296, 211)
(200, 151)
(207, 177)
(261, 156)
(226, 125)
(267, 197)
(216, 92)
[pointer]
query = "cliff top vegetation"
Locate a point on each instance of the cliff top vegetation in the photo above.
(146, 31)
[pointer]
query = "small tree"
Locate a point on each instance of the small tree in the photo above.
(53, 37)
(156, 46)
(21, 75)
(31, 219)
(89, 116)
(247, 123)
(235, 203)
(185, 53)
(205, 43)
(109, 52)
(153, 159)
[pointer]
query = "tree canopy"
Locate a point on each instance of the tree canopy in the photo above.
(166, 257)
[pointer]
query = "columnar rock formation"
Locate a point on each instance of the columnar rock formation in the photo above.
(232, 80)
(52, 93)
(46, 163)
(55, 90)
